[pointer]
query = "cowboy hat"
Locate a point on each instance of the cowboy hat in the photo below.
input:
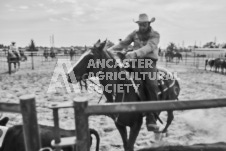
(13, 42)
(144, 18)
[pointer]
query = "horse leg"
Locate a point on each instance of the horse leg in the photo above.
(123, 132)
(169, 121)
(18, 65)
(14, 65)
(134, 131)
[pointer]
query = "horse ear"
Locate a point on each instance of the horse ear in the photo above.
(106, 45)
(103, 45)
(97, 44)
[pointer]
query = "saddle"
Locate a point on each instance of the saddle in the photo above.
(165, 80)
(164, 77)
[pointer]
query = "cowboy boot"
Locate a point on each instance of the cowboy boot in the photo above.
(151, 122)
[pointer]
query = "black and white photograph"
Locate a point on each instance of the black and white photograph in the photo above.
(112, 75)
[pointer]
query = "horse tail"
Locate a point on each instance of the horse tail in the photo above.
(177, 89)
(95, 133)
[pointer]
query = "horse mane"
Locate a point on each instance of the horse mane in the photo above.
(111, 55)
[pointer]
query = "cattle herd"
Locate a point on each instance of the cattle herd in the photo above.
(218, 65)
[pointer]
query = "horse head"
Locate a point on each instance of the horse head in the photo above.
(87, 63)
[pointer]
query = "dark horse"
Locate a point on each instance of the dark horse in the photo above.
(13, 58)
(209, 62)
(178, 56)
(14, 138)
(218, 63)
(169, 55)
(46, 54)
(81, 71)
(52, 54)
(223, 66)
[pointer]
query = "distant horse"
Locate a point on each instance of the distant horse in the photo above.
(217, 64)
(178, 56)
(169, 56)
(80, 73)
(209, 62)
(46, 55)
(14, 58)
(52, 55)
(14, 138)
(223, 66)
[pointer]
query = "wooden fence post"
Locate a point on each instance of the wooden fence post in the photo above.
(194, 59)
(56, 128)
(82, 125)
(197, 62)
(10, 69)
(32, 60)
(186, 58)
(30, 124)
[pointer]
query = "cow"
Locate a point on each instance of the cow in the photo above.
(14, 139)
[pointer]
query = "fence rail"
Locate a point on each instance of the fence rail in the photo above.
(84, 110)
(10, 107)
(36, 61)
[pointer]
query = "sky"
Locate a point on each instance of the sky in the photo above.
(83, 22)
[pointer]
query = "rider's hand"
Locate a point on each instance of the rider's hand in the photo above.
(121, 55)
(131, 55)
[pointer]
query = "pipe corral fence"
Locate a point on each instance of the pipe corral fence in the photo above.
(37, 60)
(34, 61)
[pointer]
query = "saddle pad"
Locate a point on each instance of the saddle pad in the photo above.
(3, 131)
(166, 72)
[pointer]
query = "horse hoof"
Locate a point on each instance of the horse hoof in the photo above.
(158, 137)
(166, 134)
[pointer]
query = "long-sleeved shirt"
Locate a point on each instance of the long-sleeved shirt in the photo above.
(13, 51)
(145, 45)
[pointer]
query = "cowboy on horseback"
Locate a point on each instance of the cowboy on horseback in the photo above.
(13, 51)
(146, 41)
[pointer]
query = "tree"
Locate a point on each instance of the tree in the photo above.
(210, 45)
(32, 47)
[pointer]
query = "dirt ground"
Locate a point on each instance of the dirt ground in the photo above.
(188, 127)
